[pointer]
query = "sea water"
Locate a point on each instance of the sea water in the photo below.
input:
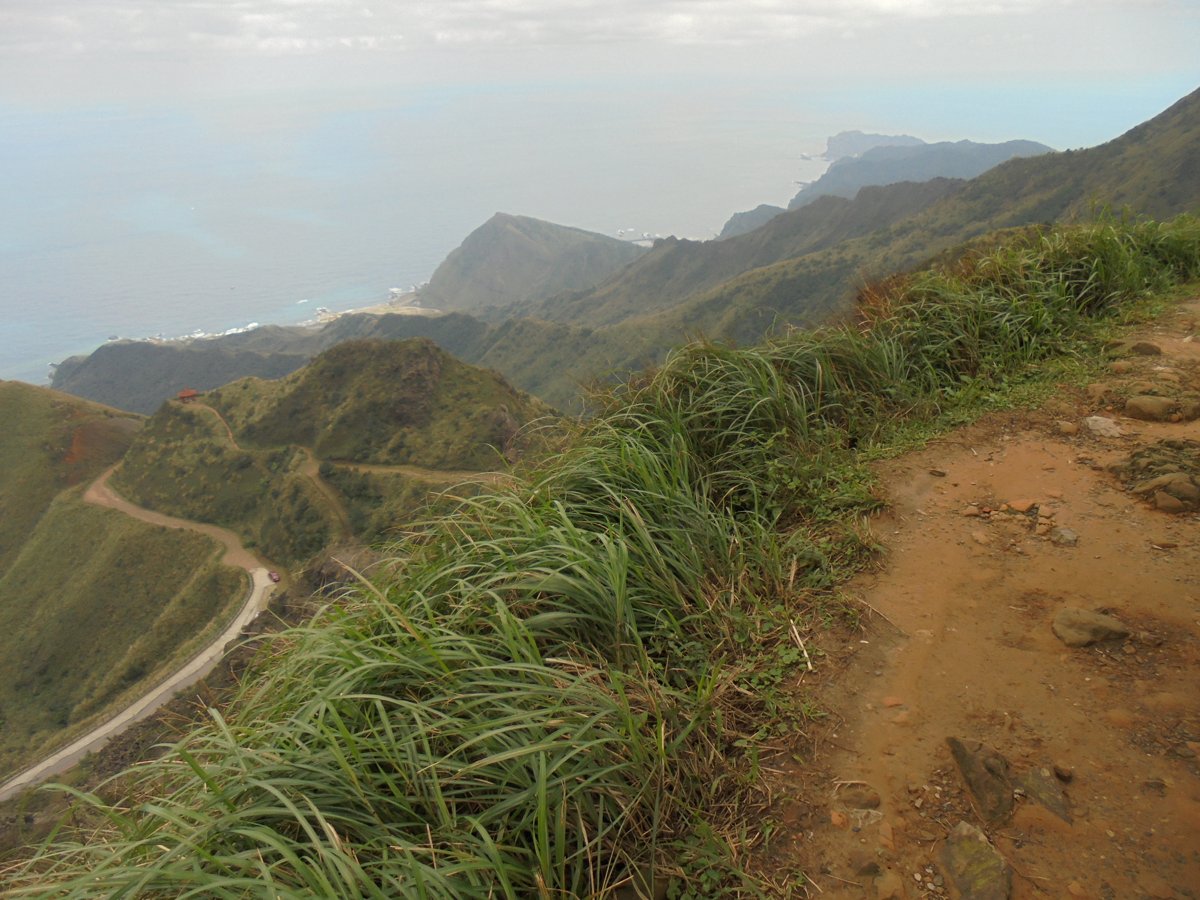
(133, 222)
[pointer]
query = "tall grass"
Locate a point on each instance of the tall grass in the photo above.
(553, 690)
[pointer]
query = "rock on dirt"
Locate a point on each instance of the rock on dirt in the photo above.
(985, 773)
(1150, 408)
(1064, 537)
(974, 865)
(1081, 627)
(1103, 427)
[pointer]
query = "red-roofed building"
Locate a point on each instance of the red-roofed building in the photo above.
(187, 395)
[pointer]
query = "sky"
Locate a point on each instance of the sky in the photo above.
(1067, 72)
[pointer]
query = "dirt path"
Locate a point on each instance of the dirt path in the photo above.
(311, 470)
(989, 535)
(196, 667)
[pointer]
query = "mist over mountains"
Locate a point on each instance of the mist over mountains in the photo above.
(562, 306)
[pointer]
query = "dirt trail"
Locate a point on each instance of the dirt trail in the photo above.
(236, 555)
(195, 668)
(989, 534)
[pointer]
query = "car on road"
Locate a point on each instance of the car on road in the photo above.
(274, 576)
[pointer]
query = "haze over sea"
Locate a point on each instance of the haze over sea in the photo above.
(174, 167)
(139, 222)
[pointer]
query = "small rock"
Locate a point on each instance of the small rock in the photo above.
(1156, 886)
(1064, 537)
(972, 512)
(937, 473)
(980, 537)
(1098, 391)
(1065, 427)
(1075, 889)
(1042, 529)
(892, 702)
(1169, 504)
(887, 836)
(1189, 410)
(889, 886)
(859, 796)
(1081, 627)
(1103, 427)
(862, 818)
(1022, 506)
(1145, 348)
(1150, 485)
(1121, 367)
(975, 867)
(1065, 774)
(838, 819)
(1155, 786)
(1151, 409)
(862, 862)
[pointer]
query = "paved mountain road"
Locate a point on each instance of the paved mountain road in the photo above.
(196, 667)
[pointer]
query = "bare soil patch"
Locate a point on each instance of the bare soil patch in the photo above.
(990, 533)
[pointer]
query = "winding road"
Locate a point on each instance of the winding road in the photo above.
(196, 667)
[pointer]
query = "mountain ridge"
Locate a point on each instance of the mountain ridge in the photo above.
(513, 258)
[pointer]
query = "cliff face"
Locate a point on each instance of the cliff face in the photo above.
(510, 259)
(891, 164)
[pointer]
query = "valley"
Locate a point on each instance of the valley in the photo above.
(634, 571)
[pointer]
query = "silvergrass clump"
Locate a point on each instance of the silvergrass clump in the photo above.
(564, 686)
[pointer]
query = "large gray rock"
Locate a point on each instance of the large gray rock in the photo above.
(1102, 426)
(1081, 627)
(977, 869)
(1152, 409)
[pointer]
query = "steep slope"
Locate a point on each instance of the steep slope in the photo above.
(889, 164)
(861, 159)
(164, 369)
(750, 219)
(95, 605)
(1153, 169)
(675, 270)
(93, 602)
(517, 258)
(259, 457)
(855, 143)
(384, 402)
(49, 442)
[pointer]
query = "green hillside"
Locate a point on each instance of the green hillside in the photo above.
(185, 465)
(95, 604)
(385, 402)
(251, 456)
(579, 684)
(676, 270)
(49, 442)
(516, 258)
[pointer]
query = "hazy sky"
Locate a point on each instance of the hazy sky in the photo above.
(1067, 72)
(173, 165)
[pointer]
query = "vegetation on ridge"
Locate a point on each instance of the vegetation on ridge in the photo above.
(95, 603)
(247, 456)
(568, 685)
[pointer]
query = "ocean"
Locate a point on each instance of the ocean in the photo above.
(152, 221)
